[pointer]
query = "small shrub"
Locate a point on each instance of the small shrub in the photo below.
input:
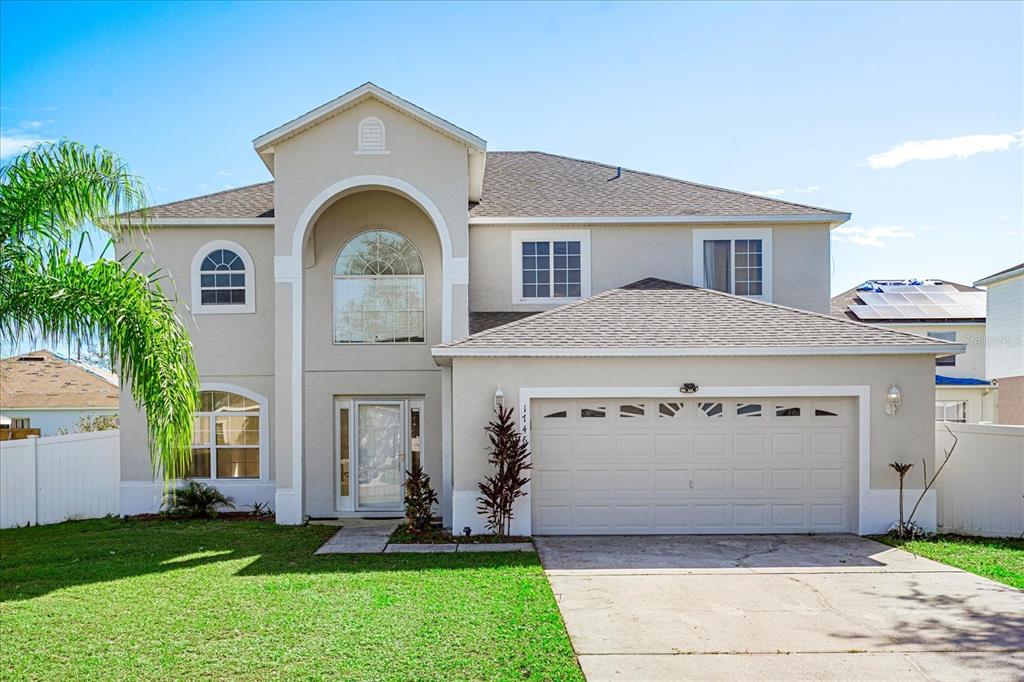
(196, 500)
(420, 499)
(260, 509)
(908, 530)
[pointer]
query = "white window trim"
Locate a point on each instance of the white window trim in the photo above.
(762, 233)
(264, 435)
(520, 236)
(250, 281)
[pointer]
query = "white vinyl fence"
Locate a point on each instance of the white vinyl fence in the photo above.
(981, 490)
(49, 480)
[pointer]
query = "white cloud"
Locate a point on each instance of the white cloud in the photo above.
(873, 236)
(806, 190)
(17, 139)
(769, 192)
(1002, 217)
(224, 174)
(11, 145)
(931, 150)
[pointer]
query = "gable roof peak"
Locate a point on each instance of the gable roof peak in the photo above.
(264, 143)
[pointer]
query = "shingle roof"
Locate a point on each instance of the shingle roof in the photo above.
(251, 201)
(657, 314)
(480, 321)
(840, 304)
(540, 184)
(531, 184)
(1011, 271)
(51, 382)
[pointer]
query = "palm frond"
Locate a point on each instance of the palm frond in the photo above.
(61, 296)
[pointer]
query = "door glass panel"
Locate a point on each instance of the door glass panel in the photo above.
(343, 456)
(415, 446)
(379, 443)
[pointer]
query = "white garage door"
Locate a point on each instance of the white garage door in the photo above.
(743, 465)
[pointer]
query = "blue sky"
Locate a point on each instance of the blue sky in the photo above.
(907, 115)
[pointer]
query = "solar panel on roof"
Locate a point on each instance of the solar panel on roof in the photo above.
(917, 300)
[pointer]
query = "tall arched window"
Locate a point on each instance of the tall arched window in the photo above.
(226, 438)
(378, 290)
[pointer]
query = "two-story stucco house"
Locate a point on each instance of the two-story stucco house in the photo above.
(667, 345)
(939, 309)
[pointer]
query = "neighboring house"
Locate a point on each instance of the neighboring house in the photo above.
(40, 390)
(331, 310)
(939, 309)
(1006, 340)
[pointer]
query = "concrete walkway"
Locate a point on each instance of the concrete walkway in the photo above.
(370, 536)
(360, 536)
(778, 608)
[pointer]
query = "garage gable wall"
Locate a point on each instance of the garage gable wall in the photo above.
(907, 437)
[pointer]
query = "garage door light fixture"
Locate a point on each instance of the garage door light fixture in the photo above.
(893, 399)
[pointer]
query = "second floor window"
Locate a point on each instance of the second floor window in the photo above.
(222, 278)
(552, 269)
(734, 266)
(944, 360)
(379, 290)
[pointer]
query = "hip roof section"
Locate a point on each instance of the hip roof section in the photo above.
(658, 317)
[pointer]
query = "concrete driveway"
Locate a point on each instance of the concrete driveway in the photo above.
(833, 607)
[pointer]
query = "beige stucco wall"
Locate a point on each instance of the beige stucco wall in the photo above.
(235, 349)
(365, 370)
(968, 365)
(908, 437)
(621, 254)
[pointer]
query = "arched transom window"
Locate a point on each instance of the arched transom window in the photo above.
(222, 278)
(226, 437)
(378, 290)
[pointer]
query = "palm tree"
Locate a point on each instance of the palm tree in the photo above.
(48, 195)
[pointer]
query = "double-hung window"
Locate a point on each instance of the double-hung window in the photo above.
(552, 267)
(733, 261)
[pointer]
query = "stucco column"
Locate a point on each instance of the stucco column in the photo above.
(288, 389)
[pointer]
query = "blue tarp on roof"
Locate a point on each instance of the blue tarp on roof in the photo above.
(957, 381)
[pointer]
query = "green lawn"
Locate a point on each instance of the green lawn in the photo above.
(998, 559)
(112, 599)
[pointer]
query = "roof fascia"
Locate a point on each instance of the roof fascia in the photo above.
(834, 219)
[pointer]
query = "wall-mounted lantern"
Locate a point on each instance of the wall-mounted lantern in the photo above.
(893, 399)
(499, 398)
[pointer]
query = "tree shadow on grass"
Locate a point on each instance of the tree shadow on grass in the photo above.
(40, 560)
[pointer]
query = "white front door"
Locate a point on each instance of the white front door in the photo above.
(692, 465)
(376, 442)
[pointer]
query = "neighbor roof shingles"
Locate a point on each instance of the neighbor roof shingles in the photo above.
(535, 184)
(52, 382)
(654, 313)
(840, 304)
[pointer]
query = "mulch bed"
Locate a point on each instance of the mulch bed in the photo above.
(437, 536)
(221, 516)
